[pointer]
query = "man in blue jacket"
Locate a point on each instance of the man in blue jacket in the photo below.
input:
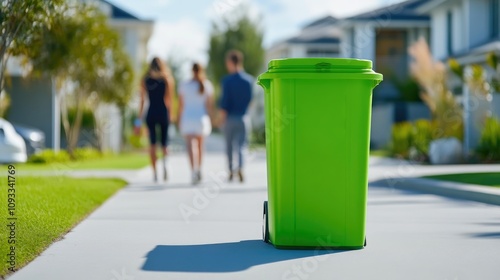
(236, 96)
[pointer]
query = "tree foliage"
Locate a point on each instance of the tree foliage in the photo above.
(86, 58)
(20, 23)
(238, 31)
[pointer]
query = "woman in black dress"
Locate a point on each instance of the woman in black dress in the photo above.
(158, 86)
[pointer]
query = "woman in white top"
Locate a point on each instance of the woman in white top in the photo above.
(195, 103)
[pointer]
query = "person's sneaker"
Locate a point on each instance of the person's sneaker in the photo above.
(198, 175)
(194, 178)
(155, 178)
(240, 176)
(165, 174)
(230, 178)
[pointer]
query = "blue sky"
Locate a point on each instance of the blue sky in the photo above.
(182, 26)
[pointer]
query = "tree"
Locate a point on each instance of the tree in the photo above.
(118, 83)
(235, 31)
(85, 57)
(20, 22)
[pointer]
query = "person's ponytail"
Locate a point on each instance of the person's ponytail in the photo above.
(198, 76)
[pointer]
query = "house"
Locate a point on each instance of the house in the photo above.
(467, 30)
(463, 29)
(135, 34)
(383, 36)
(320, 38)
(34, 102)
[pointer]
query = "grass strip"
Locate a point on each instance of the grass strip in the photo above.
(46, 209)
(485, 179)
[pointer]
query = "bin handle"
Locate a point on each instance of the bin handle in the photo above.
(323, 66)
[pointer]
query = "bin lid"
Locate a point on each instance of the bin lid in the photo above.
(331, 65)
(320, 68)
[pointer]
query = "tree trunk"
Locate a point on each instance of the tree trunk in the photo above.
(123, 123)
(64, 108)
(75, 128)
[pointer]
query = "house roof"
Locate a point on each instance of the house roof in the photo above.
(119, 13)
(430, 5)
(314, 40)
(406, 10)
(478, 53)
(322, 21)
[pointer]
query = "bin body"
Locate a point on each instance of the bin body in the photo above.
(317, 137)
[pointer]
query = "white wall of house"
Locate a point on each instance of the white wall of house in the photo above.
(135, 36)
(471, 26)
(439, 30)
(297, 50)
(438, 34)
(458, 29)
(109, 126)
(364, 42)
(346, 48)
(477, 21)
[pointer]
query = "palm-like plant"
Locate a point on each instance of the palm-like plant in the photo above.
(432, 77)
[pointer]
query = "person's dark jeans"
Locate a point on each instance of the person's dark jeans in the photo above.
(235, 135)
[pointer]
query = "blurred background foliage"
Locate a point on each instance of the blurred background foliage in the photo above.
(235, 31)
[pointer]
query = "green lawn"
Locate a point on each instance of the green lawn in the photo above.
(122, 161)
(46, 209)
(486, 179)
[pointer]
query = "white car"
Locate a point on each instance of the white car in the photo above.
(12, 146)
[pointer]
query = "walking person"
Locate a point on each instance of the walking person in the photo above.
(195, 108)
(236, 96)
(158, 87)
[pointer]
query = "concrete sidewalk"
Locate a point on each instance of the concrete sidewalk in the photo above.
(213, 231)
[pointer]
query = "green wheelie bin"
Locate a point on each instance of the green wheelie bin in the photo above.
(318, 113)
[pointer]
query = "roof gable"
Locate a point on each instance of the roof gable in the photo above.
(322, 21)
(406, 10)
(119, 13)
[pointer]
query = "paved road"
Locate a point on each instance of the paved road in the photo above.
(142, 233)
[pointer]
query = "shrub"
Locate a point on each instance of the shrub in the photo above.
(86, 153)
(50, 156)
(258, 136)
(422, 136)
(88, 118)
(412, 140)
(401, 139)
(489, 145)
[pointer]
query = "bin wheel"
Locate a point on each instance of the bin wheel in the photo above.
(365, 242)
(265, 224)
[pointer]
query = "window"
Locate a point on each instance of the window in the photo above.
(449, 33)
(494, 19)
